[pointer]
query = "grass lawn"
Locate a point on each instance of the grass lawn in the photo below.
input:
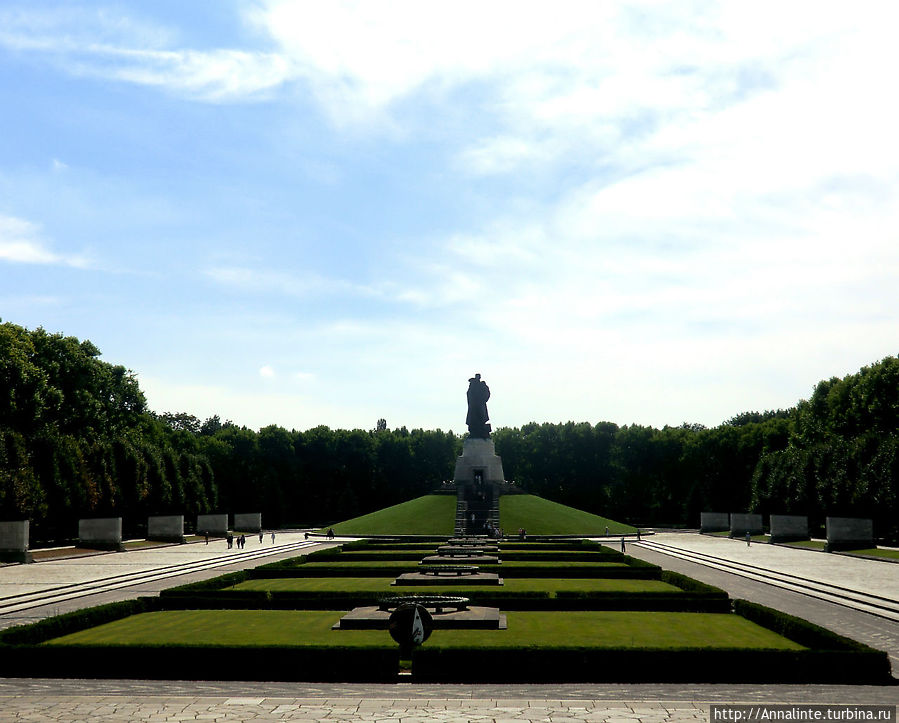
(595, 629)
(618, 629)
(428, 515)
(877, 552)
(541, 517)
(811, 544)
(227, 627)
(382, 585)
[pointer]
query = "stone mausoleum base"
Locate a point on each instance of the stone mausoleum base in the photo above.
(371, 618)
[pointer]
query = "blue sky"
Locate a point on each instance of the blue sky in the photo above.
(326, 213)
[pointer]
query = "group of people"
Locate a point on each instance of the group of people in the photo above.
(495, 532)
(240, 541)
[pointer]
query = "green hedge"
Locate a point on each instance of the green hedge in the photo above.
(565, 545)
(560, 555)
(23, 655)
(374, 556)
(36, 633)
(571, 664)
(336, 571)
(801, 631)
(213, 583)
(562, 570)
(328, 600)
(176, 662)
(688, 584)
(673, 602)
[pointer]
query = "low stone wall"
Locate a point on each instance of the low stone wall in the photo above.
(847, 533)
(14, 541)
(100, 533)
(247, 521)
(166, 528)
(215, 525)
(714, 521)
(788, 528)
(741, 523)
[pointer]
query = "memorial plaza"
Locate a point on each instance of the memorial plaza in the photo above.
(30, 592)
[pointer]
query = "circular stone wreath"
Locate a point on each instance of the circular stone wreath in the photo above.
(439, 602)
(460, 570)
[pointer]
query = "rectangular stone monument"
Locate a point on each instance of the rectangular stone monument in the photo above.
(478, 461)
(214, 525)
(166, 528)
(714, 521)
(849, 533)
(247, 521)
(742, 522)
(788, 528)
(100, 533)
(14, 541)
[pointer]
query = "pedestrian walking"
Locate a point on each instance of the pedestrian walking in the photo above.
(622, 543)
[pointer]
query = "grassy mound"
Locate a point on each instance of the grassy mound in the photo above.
(542, 517)
(428, 515)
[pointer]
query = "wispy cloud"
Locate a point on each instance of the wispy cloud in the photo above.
(120, 48)
(21, 243)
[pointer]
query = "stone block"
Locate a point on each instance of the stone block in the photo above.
(742, 522)
(166, 528)
(847, 533)
(478, 456)
(714, 521)
(100, 533)
(247, 521)
(214, 525)
(789, 528)
(14, 541)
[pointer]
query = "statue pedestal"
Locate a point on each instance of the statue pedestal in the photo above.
(478, 461)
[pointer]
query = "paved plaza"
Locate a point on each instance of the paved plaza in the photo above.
(869, 576)
(148, 700)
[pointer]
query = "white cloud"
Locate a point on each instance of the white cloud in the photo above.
(21, 243)
(120, 48)
(266, 372)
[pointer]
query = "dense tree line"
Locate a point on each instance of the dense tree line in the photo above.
(77, 439)
(843, 454)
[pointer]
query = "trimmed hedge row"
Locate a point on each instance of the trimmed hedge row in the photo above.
(213, 583)
(324, 600)
(570, 664)
(23, 655)
(560, 556)
(67, 623)
(802, 631)
(672, 602)
(831, 658)
(650, 572)
(373, 556)
(688, 584)
(336, 571)
(182, 662)
(543, 601)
